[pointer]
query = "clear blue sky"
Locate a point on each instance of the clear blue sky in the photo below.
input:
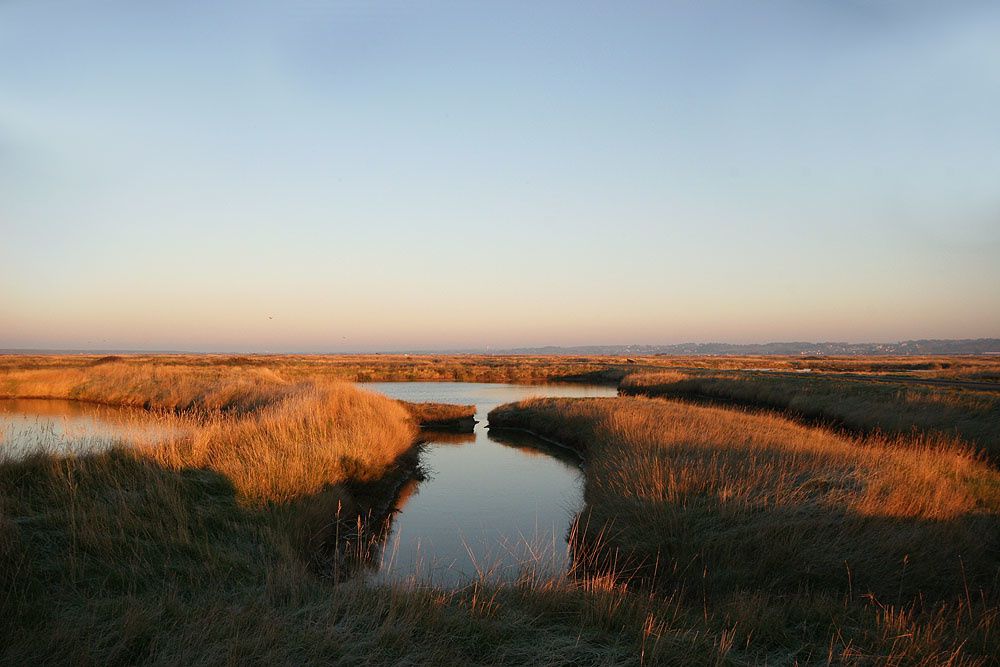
(355, 176)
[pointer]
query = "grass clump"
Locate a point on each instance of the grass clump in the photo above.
(446, 416)
(864, 406)
(709, 536)
(114, 559)
(211, 547)
(157, 386)
(801, 538)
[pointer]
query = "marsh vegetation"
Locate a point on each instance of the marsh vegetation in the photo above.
(706, 534)
(755, 518)
(862, 405)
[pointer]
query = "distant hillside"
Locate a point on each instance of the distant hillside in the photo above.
(904, 348)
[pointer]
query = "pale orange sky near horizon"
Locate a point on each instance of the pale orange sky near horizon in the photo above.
(376, 176)
(311, 324)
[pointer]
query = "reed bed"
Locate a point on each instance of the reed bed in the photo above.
(709, 536)
(859, 405)
(445, 416)
(291, 368)
(599, 369)
(204, 547)
(124, 556)
(156, 386)
(734, 512)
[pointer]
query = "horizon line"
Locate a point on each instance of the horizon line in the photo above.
(522, 349)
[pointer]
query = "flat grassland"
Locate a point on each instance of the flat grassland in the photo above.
(222, 544)
(516, 368)
(710, 534)
(866, 405)
(796, 538)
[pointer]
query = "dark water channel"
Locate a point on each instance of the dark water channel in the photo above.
(493, 503)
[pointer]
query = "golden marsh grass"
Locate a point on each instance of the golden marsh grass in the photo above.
(953, 413)
(736, 538)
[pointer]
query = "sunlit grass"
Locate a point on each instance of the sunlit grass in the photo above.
(113, 558)
(709, 535)
(498, 368)
(718, 506)
(971, 416)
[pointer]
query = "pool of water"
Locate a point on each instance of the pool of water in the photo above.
(59, 426)
(494, 504)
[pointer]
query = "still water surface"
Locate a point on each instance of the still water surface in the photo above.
(493, 503)
(29, 425)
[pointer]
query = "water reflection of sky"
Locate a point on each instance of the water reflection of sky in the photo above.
(490, 503)
(60, 426)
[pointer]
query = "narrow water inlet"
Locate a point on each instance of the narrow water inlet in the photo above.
(493, 503)
(484, 504)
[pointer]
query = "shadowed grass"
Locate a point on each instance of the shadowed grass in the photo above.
(199, 550)
(206, 548)
(114, 559)
(721, 507)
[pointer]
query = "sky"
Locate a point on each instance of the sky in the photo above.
(357, 176)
